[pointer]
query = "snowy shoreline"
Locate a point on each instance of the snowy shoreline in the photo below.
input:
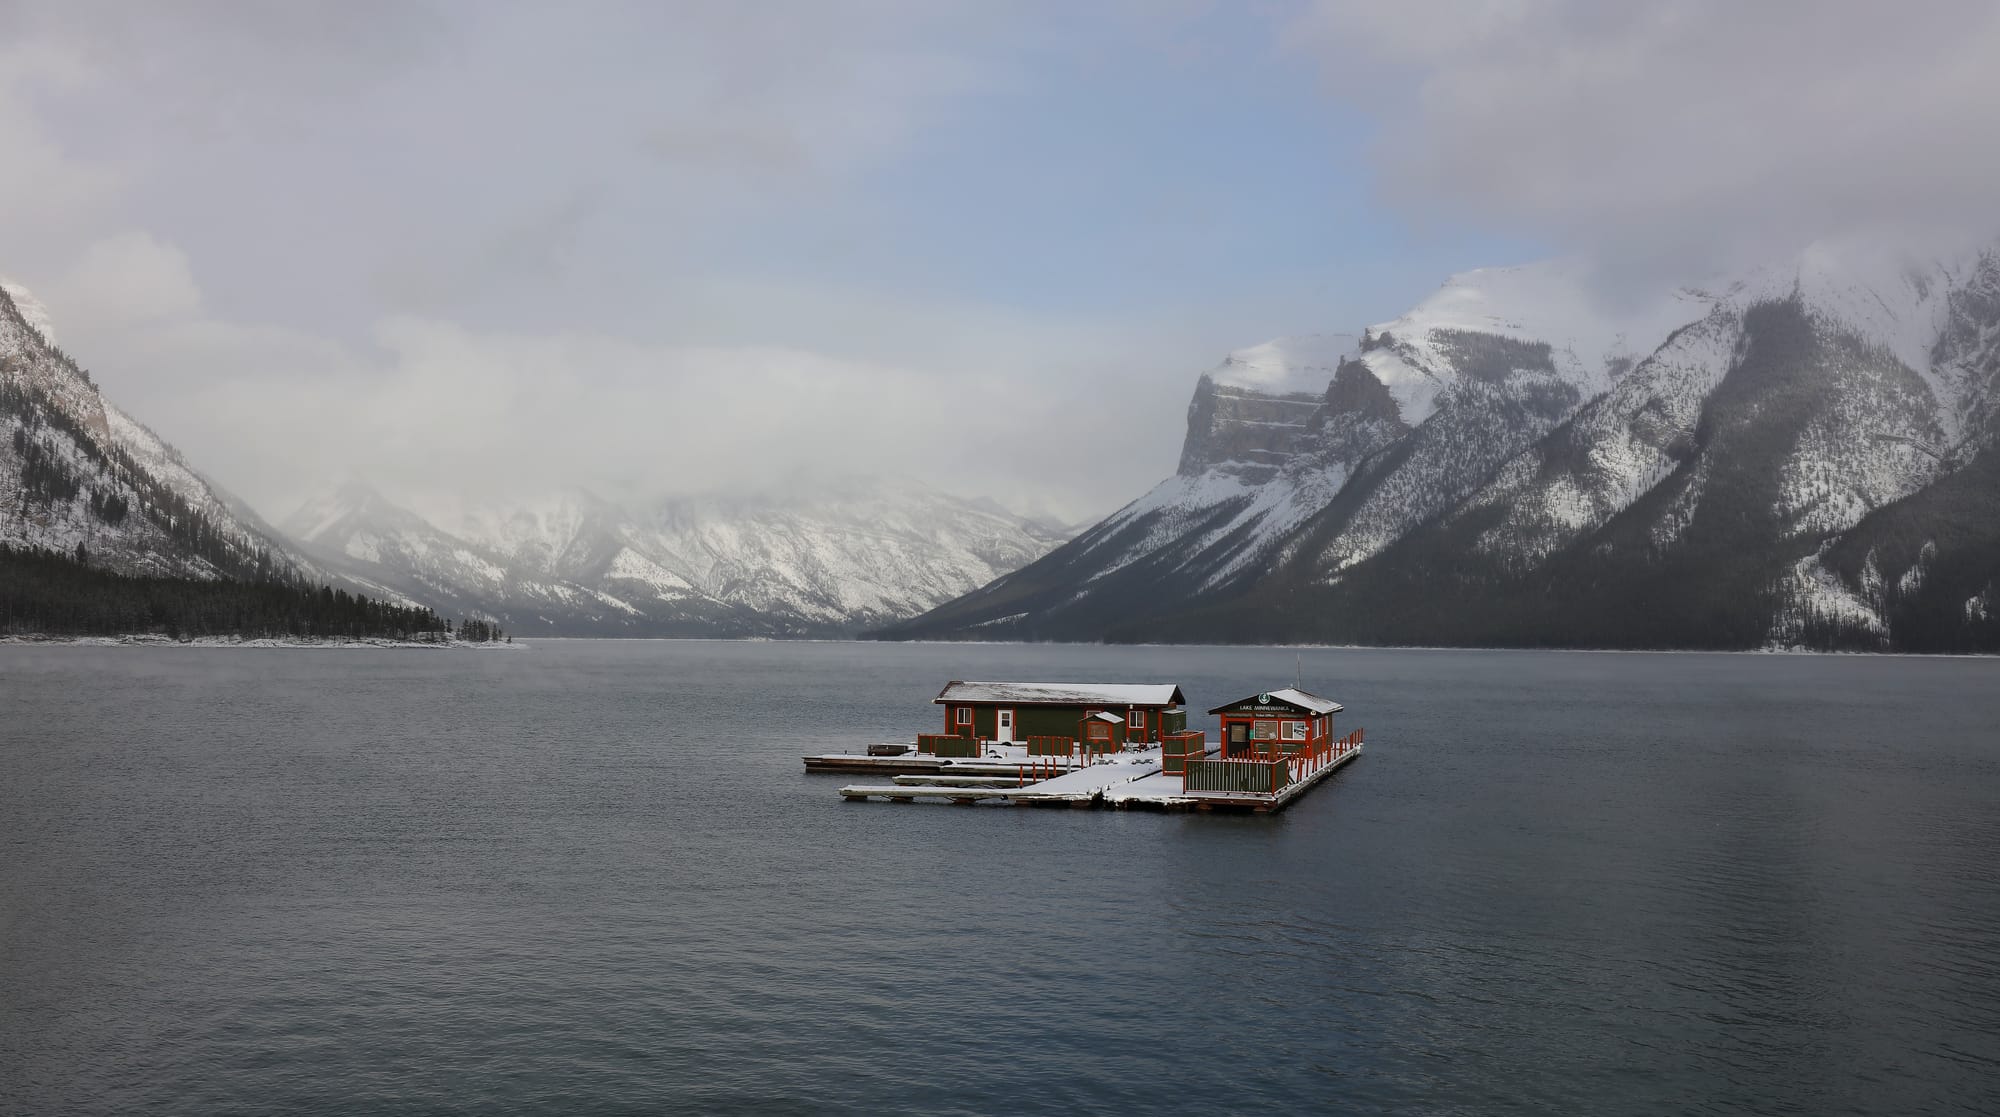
(154, 640)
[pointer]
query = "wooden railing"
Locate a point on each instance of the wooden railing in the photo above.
(1319, 754)
(947, 745)
(1039, 768)
(1265, 775)
(1178, 748)
(1078, 752)
(1237, 777)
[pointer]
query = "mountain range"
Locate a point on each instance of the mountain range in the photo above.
(823, 560)
(1799, 455)
(81, 477)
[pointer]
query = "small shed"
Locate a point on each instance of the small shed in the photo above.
(1103, 730)
(1275, 722)
(1012, 713)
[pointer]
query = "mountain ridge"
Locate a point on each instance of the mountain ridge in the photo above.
(81, 477)
(1535, 454)
(78, 475)
(829, 560)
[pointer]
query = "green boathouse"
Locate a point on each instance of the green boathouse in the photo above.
(1102, 715)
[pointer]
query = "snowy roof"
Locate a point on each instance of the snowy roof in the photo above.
(1290, 696)
(1102, 715)
(1064, 694)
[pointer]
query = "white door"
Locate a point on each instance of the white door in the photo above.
(1003, 726)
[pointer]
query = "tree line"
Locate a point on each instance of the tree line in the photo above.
(46, 593)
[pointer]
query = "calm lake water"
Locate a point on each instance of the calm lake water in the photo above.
(592, 877)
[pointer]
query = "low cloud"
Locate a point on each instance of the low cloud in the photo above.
(129, 279)
(352, 236)
(1680, 134)
(984, 402)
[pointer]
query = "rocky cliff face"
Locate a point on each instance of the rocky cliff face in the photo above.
(1511, 463)
(1250, 413)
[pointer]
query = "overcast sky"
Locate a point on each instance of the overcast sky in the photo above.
(670, 247)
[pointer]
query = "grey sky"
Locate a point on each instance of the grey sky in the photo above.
(1678, 136)
(672, 247)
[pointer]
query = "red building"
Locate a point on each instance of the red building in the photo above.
(1276, 723)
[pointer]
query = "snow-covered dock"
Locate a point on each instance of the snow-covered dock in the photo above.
(1273, 747)
(1135, 780)
(1077, 785)
(1168, 792)
(1008, 763)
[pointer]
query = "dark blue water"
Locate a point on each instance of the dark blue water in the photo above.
(593, 878)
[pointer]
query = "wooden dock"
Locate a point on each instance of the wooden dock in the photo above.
(1265, 804)
(950, 793)
(919, 764)
(1071, 785)
(1134, 783)
(1274, 747)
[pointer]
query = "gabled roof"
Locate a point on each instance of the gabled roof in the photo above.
(1103, 716)
(1063, 694)
(1290, 696)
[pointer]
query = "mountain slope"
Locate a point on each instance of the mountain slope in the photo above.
(1688, 472)
(77, 472)
(1407, 419)
(825, 562)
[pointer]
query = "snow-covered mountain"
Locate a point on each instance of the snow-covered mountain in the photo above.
(1516, 460)
(75, 471)
(838, 558)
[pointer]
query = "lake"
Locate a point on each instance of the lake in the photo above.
(592, 877)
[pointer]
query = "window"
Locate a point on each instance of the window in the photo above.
(1138, 720)
(965, 715)
(1295, 731)
(1264, 731)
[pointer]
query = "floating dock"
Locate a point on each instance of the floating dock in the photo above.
(1133, 781)
(920, 764)
(1105, 745)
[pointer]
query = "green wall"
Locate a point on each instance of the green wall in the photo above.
(1061, 721)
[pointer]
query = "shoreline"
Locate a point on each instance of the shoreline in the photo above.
(155, 640)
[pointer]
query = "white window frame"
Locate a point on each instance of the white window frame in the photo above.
(963, 716)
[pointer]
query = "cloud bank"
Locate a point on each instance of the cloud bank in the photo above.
(1685, 134)
(670, 248)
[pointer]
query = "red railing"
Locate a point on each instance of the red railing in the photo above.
(1269, 773)
(1321, 753)
(1077, 752)
(1039, 768)
(1051, 746)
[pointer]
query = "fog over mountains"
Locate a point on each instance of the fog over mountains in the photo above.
(1802, 454)
(824, 560)
(76, 472)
